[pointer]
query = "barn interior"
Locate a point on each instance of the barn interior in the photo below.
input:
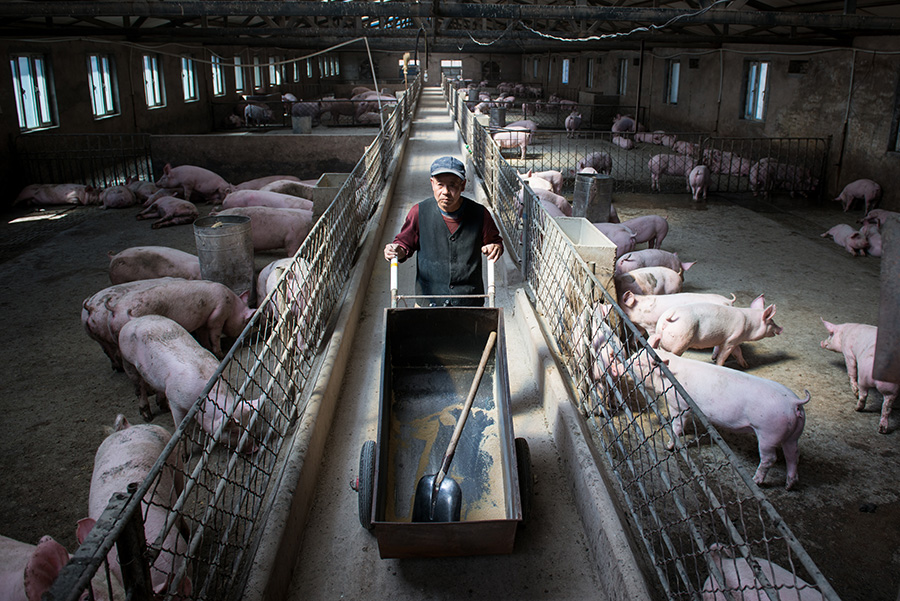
(103, 91)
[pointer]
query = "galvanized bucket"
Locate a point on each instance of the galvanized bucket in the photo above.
(225, 248)
(593, 196)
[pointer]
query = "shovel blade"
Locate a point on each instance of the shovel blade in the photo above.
(440, 507)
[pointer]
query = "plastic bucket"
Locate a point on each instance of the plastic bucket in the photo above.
(593, 197)
(225, 248)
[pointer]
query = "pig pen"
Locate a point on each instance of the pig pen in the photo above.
(59, 391)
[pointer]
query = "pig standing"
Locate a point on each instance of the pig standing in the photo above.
(731, 400)
(644, 310)
(600, 161)
(276, 228)
(171, 211)
(526, 123)
(554, 177)
(709, 325)
(599, 346)
(257, 114)
(622, 123)
(866, 189)
(844, 235)
(668, 164)
(856, 342)
(265, 198)
(95, 316)
(160, 356)
(573, 124)
(191, 179)
(290, 299)
(125, 456)
(560, 202)
(619, 235)
(259, 182)
(650, 257)
(28, 571)
(651, 229)
(698, 180)
(117, 197)
(741, 583)
(648, 280)
(150, 262)
(513, 138)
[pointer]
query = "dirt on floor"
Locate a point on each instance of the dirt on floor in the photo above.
(58, 390)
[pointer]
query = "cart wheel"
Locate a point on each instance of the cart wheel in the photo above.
(366, 483)
(526, 480)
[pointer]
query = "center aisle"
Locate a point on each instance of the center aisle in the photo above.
(339, 559)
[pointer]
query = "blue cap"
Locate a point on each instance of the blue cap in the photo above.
(448, 165)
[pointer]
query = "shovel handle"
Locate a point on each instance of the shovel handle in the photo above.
(454, 440)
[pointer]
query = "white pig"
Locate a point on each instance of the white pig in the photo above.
(651, 229)
(698, 180)
(149, 262)
(668, 164)
(866, 189)
(161, 356)
(560, 202)
(28, 571)
(706, 325)
(649, 280)
(650, 257)
(644, 309)
(191, 179)
(276, 228)
(741, 583)
(856, 342)
(258, 183)
(170, 210)
(265, 198)
(513, 138)
(852, 241)
(732, 400)
(125, 456)
(118, 197)
(620, 235)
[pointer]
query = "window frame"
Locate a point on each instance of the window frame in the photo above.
(589, 79)
(276, 76)
(240, 78)
(564, 72)
(536, 68)
(104, 90)
(756, 96)
(673, 79)
(189, 80)
(622, 77)
(257, 82)
(218, 76)
(155, 85)
(42, 104)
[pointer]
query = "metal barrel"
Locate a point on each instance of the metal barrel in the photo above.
(498, 116)
(593, 196)
(225, 248)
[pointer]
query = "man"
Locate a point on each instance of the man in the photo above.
(451, 232)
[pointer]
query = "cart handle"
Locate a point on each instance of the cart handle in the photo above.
(490, 279)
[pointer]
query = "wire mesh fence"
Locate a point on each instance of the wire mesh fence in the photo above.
(705, 528)
(205, 501)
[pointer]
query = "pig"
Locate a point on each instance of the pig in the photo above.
(661, 137)
(369, 118)
(28, 571)
(721, 161)
(191, 180)
(260, 182)
(622, 142)
(171, 211)
(854, 242)
(294, 188)
(311, 109)
(554, 177)
(161, 192)
(482, 108)
(668, 164)
(257, 114)
(741, 583)
(619, 235)
(856, 342)
(290, 299)
(117, 197)
(706, 325)
(622, 123)
(767, 174)
(648, 280)
(560, 202)
(600, 161)
(873, 239)
(276, 228)
(649, 258)
(686, 148)
(265, 198)
(536, 183)
(127, 455)
(879, 217)
(58, 194)
(645, 137)
(866, 189)
(731, 400)
(513, 138)
(150, 262)
(573, 124)
(338, 107)
(142, 190)
(651, 229)
(526, 123)
(598, 344)
(698, 180)
(161, 356)
(644, 310)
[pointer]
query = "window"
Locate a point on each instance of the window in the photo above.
(218, 76)
(239, 84)
(274, 71)
(590, 74)
(337, 66)
(101, 78)
(535, 68)
(757, 90)
(322, 66)
(565, 71)
(622, 86)
(296, 70)
(188, 79)
(153, 86)
(673, 72)
(308, 69)
(451, 68)
(412, 68)
(32, 89)
(257, 74)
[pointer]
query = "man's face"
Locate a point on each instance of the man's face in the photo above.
(448, 189)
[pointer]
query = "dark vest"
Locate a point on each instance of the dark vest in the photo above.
(450, 264)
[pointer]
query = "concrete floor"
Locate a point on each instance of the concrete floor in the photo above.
(339, 559)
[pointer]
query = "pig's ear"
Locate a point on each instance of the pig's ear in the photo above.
(628, 298)
(245, 296)
(686, 266)
(84, 528)
(759, 302)
(167, 168)
(769, 313)
(43, 567)
(605, 309)
(828, 326)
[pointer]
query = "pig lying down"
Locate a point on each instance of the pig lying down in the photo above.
(741, 583)
(731, 400)
(149, 262)
(28, 571)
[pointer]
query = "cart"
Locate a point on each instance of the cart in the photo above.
(429, 361)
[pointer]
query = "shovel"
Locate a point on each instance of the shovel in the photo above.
(438, 499)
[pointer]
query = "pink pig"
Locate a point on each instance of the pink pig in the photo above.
(650, 257)
(258, 183)
(560, 202)
(857, 343)
(600, 161)
(698, 180)
(554, 177)
(192, 179)
(866, 189)
(668, 164)
(276, 228)
(149, 262)
(171, 211)
(644, 309)
(161, 356)
(622, 236)
(844, 235)
(731, 400)
(623, 142)
(705, 325)
(649, 280)
(125, 456)
(651, 229)
(118, 197)
(28, 571)
(513, 138)
(58, 194)
(741, 582)
(265, 198)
